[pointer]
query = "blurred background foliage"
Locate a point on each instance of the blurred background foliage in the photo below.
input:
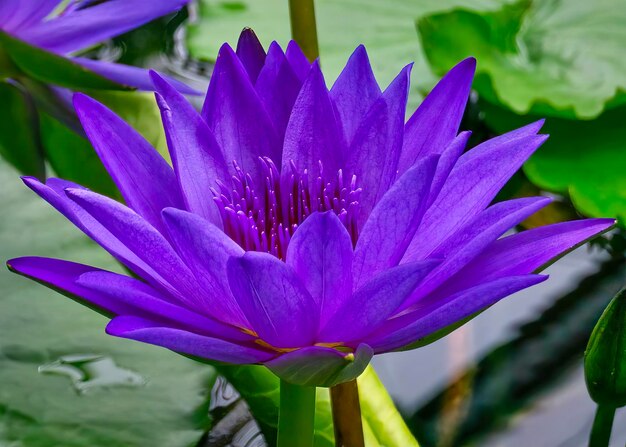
(64, 382)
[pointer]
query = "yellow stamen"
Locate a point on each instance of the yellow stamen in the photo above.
(273, 348)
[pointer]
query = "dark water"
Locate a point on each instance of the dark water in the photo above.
(511, 377)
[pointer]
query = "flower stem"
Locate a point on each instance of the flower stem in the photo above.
(602, 426)
(303, 27)
(296, 415)
(344, 400)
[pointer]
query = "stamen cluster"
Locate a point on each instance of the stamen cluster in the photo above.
(264, 217)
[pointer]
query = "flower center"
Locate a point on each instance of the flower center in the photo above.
(264, 217)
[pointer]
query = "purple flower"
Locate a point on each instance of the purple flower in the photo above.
(82, 24)
(302, 228)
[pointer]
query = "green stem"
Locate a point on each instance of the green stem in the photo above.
(303, 27)
(296, 415)
(602, 426)
(346, 408)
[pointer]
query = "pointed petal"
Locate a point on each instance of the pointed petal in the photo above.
(273, 299)
(206, 250)
(528, 251)
(354, 92)
(374, 302)
(61, 275)
(197, 158)
(469, 242)
(312, 133)
(278, 87)
(319, 366)
(143, 301)
(184, 342)
(486, 147)
(236, 115)
(251, 53)
(393, 222)
(320, 252)
(298, 61)
(113, 294)
(130, 76)
(142, 239)
(436, 121)
(473, 183)
(53, 192)
(417, 325)
(447, 161)
(144, 178)
(84, 27)
(375, 150)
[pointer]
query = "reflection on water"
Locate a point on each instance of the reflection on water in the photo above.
(233, 425)
(89, 371)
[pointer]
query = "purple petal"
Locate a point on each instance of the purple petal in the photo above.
(436, 122)
(374, 302)
(142, 239)
(376, 147)
(417, 325)
(320, 252)
(61, 276)
(130, 76)
(354, 92)
(53, 193)
(144, 178)
(469, 242)
(82, 28)
(236, 115)
(16, 15)
(298, 61)
(251, 53)
(447, 161)
(143, 301)
(393, 222)
(278, 87)
(197, 158)
(320, 366)
(312, 134)
(528, 251)
(206, 250)
(184, 342)
(476, 178)
(273, 299)
(486, 147)
(114, 294)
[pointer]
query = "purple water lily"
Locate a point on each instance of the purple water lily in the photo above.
(82, 24)
(302, 228)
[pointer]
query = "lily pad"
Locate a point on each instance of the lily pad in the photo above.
(547, 57)
(64, 381)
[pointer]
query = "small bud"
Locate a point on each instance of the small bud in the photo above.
(605, 357)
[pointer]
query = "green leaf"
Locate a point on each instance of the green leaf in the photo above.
(549, 57)
(52, 68)
(605, 357)
(72, 156)
(117, 392)
(19, 135)
(382, 423)
(386, 28)
(583, 159)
